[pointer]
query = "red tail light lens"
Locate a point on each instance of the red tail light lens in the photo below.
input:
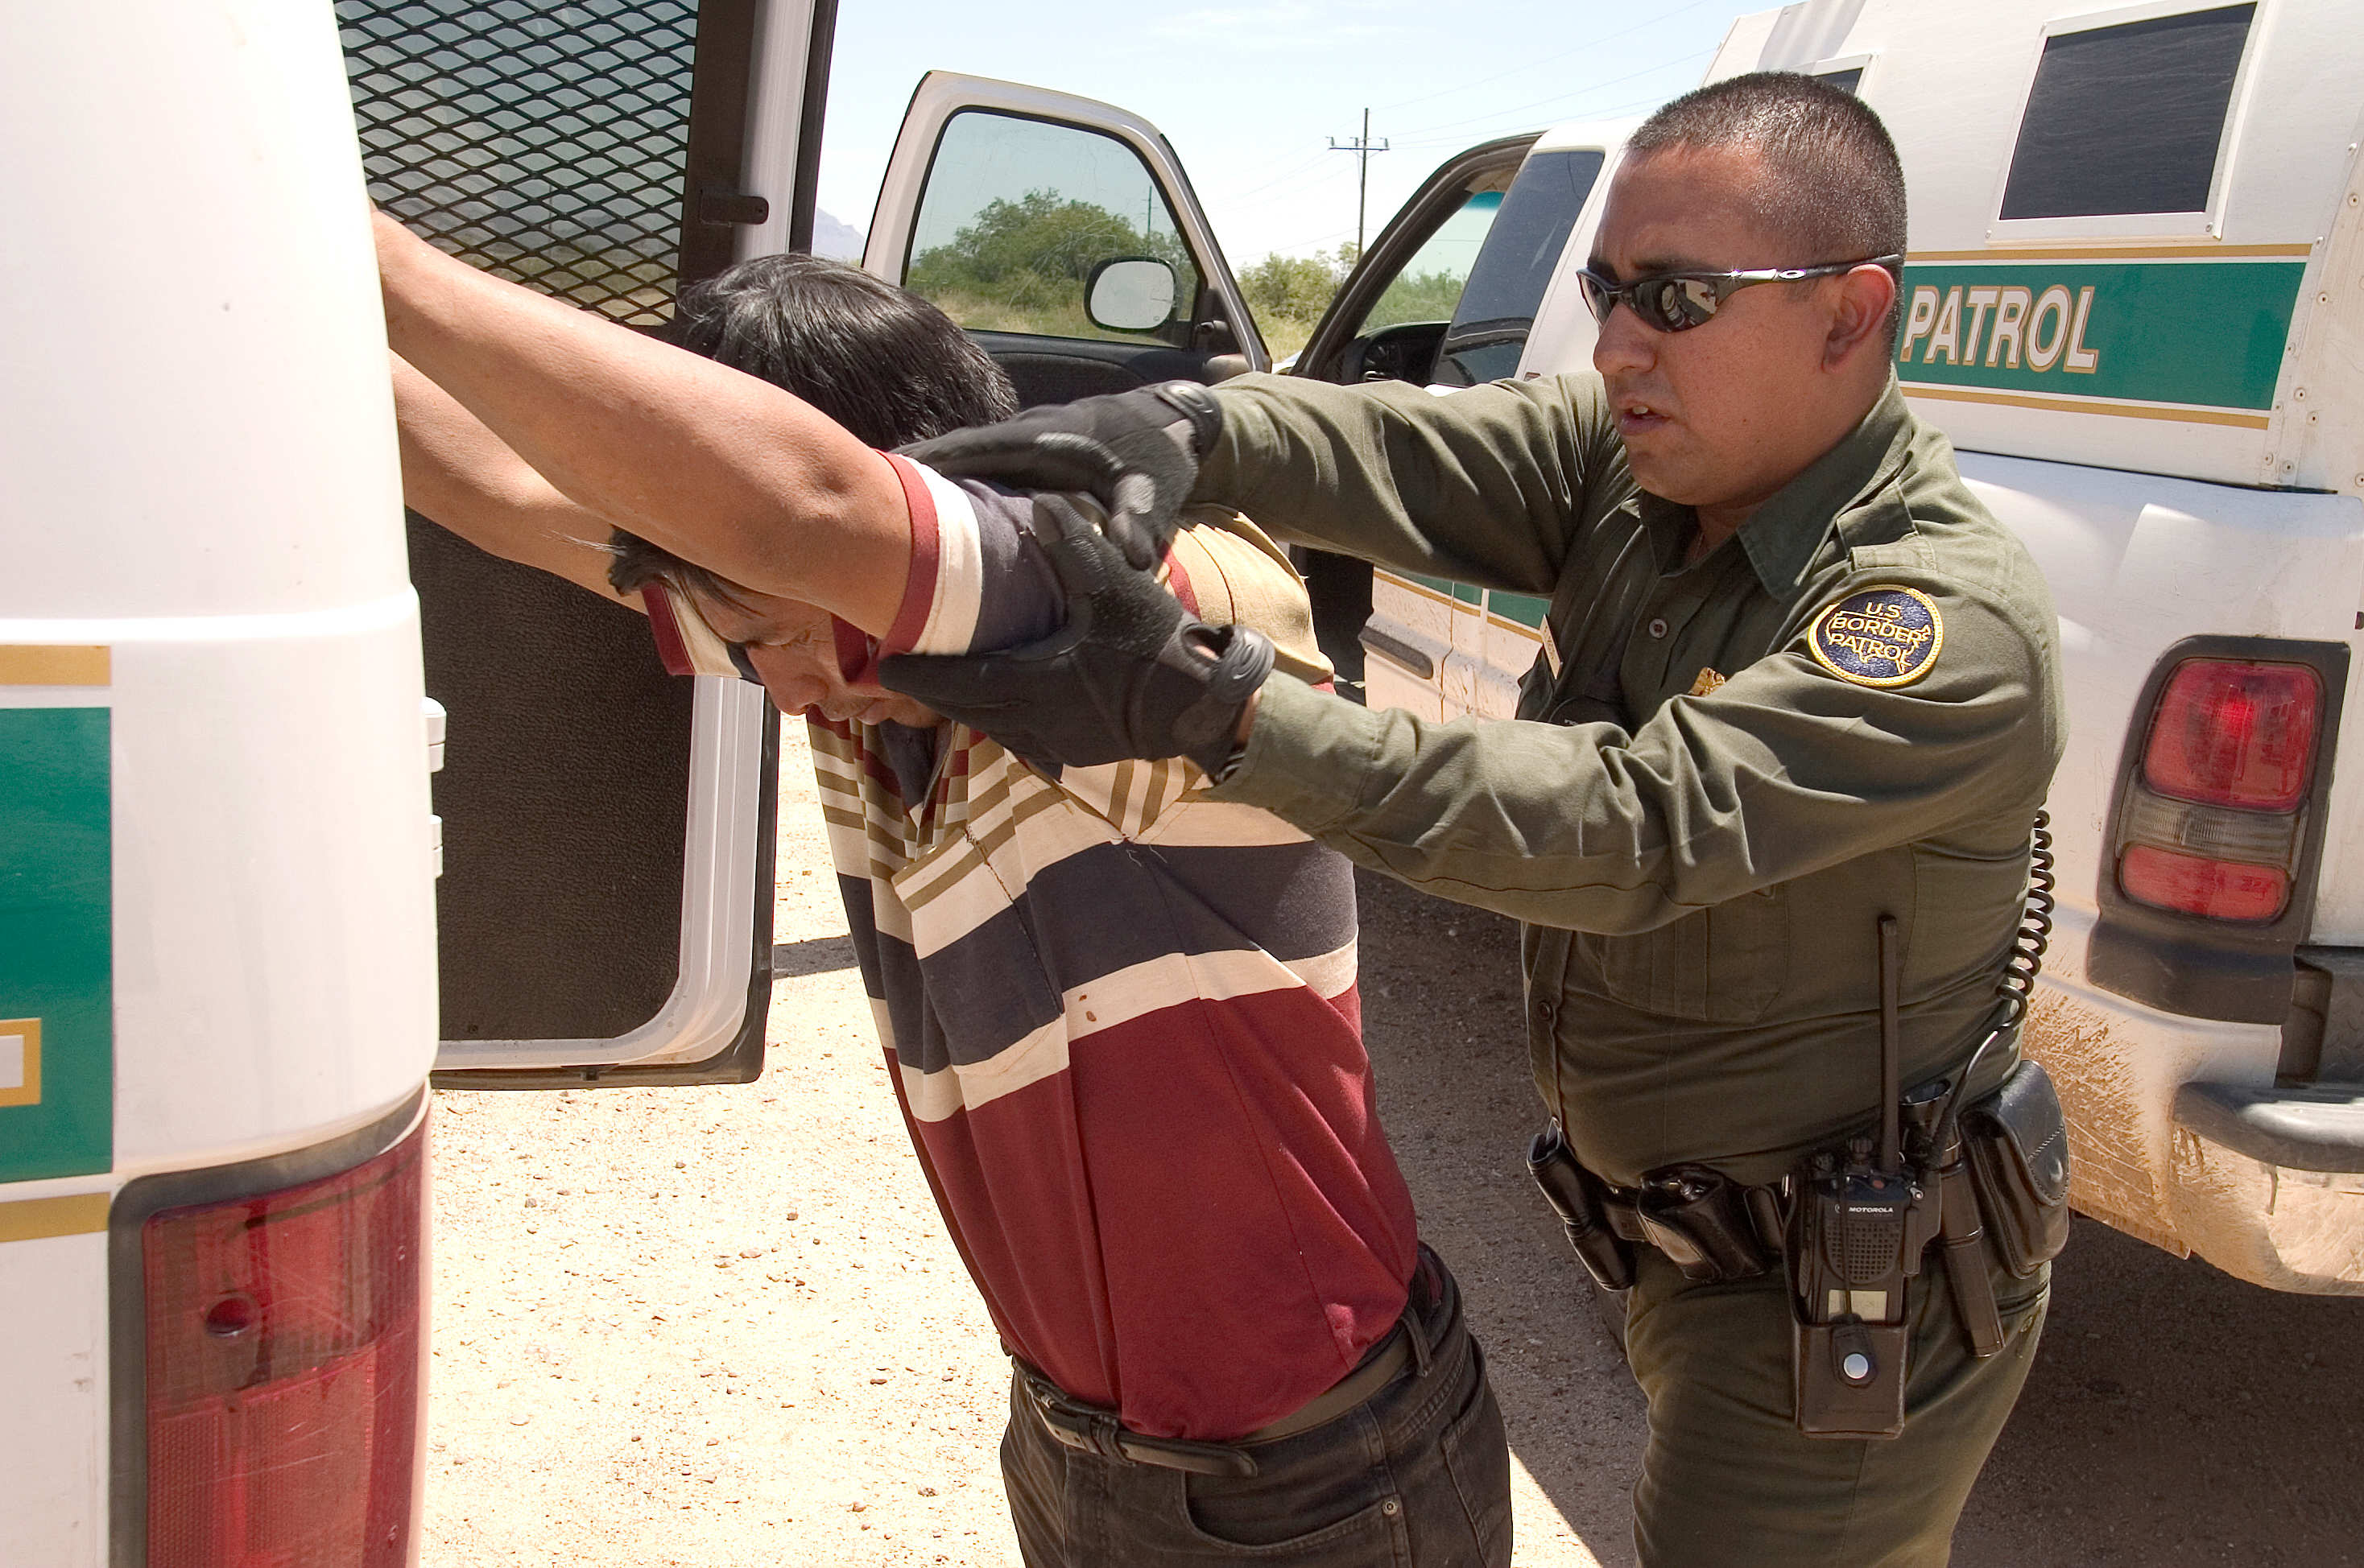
(2222, 890)
(2234, 734)
(284, 1373)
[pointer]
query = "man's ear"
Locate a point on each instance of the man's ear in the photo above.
(1865, 297)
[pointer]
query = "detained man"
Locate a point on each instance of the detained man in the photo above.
(1120, 1019)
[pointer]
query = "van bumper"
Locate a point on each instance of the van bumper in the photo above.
(2269, 1182)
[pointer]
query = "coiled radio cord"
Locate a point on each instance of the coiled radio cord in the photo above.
(2028, 945)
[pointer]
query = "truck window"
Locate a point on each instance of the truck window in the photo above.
(513, 139)
(1497, 308)
(2127, 119)
(1429, 284)
(1017, 214)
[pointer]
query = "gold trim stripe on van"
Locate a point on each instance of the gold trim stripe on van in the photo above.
(1424, 591)
(54, 664)
(33, 1219)
(2084, 252)
(2085, 406)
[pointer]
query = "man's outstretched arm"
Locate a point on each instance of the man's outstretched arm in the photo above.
(461, 476)
(718, 467)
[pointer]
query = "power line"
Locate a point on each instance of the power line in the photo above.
(1293, 172)
(1465, 139)
(1577, 92)
(1586, 46)
(1362, 147)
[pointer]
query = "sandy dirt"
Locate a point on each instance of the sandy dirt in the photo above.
(723, 1327)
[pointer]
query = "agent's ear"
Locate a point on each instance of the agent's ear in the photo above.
(1865, 297)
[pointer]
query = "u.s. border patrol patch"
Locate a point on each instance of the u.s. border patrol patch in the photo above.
(1879, 636)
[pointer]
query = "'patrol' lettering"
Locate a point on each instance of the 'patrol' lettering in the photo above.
(2052, 305)
(1918, 320)
(1948, 335)
(2082, 360)
(1980, 301)
(2011, 318)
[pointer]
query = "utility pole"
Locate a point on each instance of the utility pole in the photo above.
(1362, 147)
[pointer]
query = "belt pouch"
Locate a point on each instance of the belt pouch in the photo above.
(1849, 1377)
(1579, 1197)
(1700, 1219)
(2018, 1142)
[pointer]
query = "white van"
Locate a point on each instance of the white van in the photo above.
(222, 988)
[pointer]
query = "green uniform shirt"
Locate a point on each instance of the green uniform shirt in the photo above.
(1700, 875)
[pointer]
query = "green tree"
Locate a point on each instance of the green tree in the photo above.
(1416, 296)
(1021, 266)
(1288, 294)
(1295, 286)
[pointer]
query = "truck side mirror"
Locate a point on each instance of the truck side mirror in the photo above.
(1129, 293)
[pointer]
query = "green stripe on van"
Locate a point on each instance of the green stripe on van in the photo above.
(57, 1013)
(1524, 609)
(2206, 333)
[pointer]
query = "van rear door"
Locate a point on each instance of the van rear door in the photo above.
(605, 910)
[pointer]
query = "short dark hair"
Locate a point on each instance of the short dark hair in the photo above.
(1833, 188)
(880, 361)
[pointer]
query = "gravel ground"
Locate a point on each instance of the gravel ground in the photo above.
(716, 1327)
(723, 1327)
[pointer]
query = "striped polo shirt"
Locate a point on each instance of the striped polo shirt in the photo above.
(1122, 1022)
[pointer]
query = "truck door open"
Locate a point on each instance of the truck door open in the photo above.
(605, 912)
(1064, 235)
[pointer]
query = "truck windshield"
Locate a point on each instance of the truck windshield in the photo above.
(1506, 286)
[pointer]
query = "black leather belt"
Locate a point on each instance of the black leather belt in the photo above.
(1088, 1429)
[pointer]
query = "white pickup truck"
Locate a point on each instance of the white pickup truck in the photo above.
(2135, 300)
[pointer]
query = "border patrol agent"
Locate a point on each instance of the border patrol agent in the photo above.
(1800, 691)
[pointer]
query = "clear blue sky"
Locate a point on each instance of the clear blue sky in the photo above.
(1251, 94)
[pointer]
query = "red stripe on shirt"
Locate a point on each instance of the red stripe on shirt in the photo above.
(673, 652)
(1178, 582)
(858, 652)
(920, 588)
(1242, 1236)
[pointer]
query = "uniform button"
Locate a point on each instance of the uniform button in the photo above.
(1658, 627)
(1391, 1507)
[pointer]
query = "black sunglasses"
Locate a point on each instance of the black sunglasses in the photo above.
(1677, 302)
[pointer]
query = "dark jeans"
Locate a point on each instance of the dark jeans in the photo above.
(1416, 1476)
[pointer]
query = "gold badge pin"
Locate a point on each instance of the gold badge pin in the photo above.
(1707, 681)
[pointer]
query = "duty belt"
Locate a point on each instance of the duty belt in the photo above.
(1709, 1227)
(1090, 1428)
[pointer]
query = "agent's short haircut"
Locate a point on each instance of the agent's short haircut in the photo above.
(880, 361)
(1833, 187)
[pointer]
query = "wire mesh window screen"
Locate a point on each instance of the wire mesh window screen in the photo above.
(543, 141)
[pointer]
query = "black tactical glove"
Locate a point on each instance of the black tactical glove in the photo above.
(1134, 452)
(1132, 674)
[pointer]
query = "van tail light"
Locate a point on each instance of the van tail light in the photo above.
(2211, 827)
(284, 1372)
